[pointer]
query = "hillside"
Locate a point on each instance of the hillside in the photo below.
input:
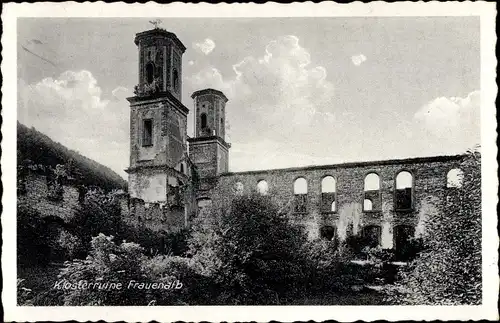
(38, 148)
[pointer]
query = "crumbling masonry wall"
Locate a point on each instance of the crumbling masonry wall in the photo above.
(429, 185)
(36, 192)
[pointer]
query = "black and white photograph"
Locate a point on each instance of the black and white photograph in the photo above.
(223, 160)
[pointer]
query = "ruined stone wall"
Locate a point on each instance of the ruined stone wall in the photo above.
(429, 183)
(37, 195)
(158, 217)
(170, 216)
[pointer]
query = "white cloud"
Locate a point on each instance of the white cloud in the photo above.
(71, 110)
(120, 93)
(279, 89)
(358, 59)
(206, 47)
(191, 63)
(285, 113)
(454, 122)
(278, 95)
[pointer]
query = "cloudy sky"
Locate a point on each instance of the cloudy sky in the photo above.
(301, 91)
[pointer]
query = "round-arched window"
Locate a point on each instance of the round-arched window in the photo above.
(372, 182)
(262, 187)
(300, 186)
(454, 178)
(328, 185)
(404, 180)
(404, 191)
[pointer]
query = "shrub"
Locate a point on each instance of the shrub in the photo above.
(254, 254)
(196, 288)
(325, 259)
(98, 213)
(106, 263)
(41, 240)
(448, 271)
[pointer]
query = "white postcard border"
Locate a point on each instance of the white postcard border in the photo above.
(488, 310)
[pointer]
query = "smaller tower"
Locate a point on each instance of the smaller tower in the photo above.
(208, 149)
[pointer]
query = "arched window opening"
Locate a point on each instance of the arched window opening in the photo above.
(238, 188)
(454, 178)
(367, 205)
(300, 186)
(372, 182)
(182, 168)
(328, 194)
(176, 80)
(404, 191)
(150, 68)
(203, 120)
(403, 235)
(372, 197)
(328, 185)
(372, 235)
(262, 187)
(328, 233)
(300, 195)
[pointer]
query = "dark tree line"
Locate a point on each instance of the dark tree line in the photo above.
(34, 147)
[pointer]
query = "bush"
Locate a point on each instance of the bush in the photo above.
(196, 288)
(255, 255)
(448, 271)
(98, 213)
(126, 263)
(41, 240)
(106, 263)
(325, 261)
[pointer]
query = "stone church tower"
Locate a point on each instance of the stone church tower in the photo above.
(208, 149)
(165, 181)
(159, 169)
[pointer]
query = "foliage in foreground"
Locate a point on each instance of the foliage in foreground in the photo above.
(160, 280)
(250, 250)
(448, 271)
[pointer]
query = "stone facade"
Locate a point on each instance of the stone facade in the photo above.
(169, 183)
(427, 188)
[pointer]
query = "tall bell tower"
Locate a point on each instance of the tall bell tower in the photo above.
(208, 149)
(158, 122)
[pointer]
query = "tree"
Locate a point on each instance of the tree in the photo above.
(251, 251)
(448, 270)
(33, 238)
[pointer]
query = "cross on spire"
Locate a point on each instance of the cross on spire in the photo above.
(155, 23)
